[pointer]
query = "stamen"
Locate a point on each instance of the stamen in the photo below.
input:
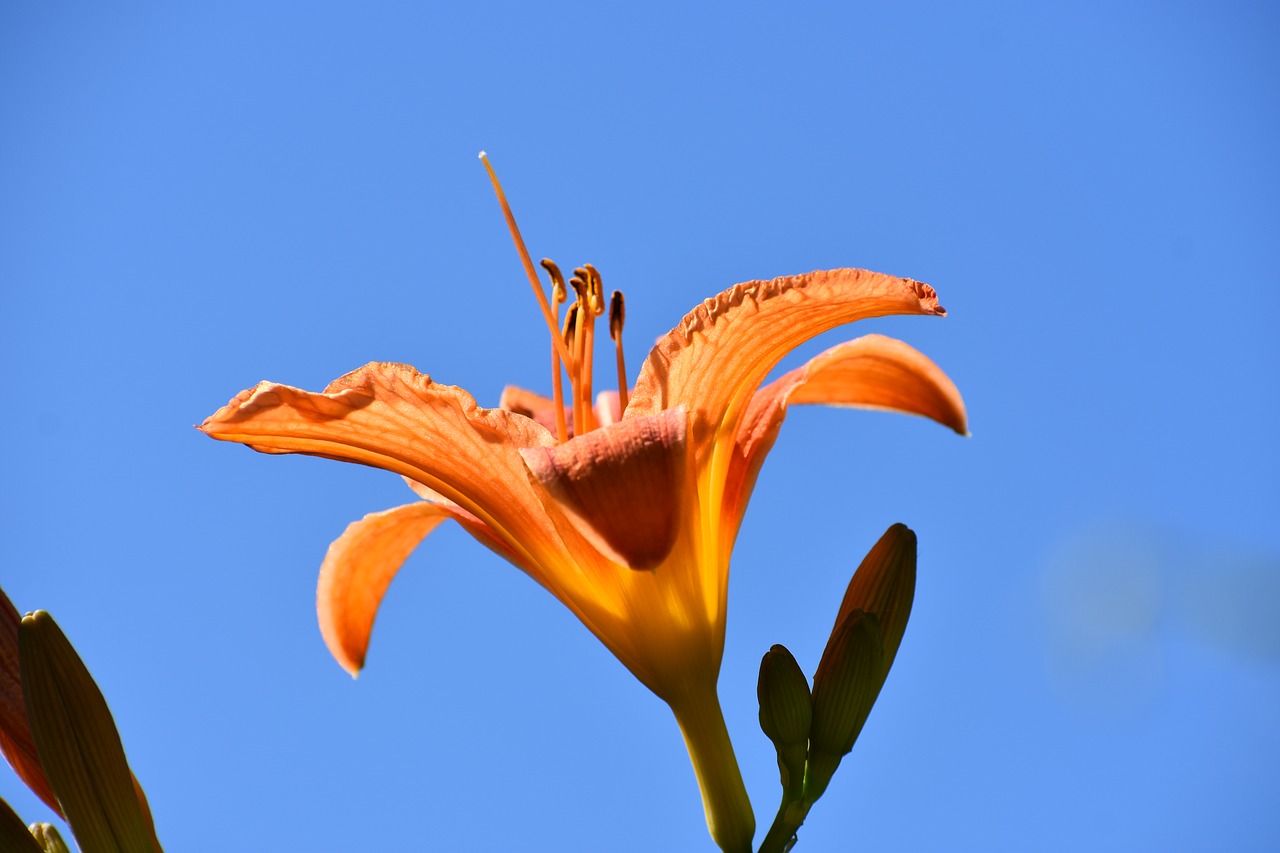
(579, 286)
(557, 386)
(570, 319)
(594, 304)
(524, 257)
(617, 314)
(582, 388)
(596, 286)
(559, 293)
(573, 340)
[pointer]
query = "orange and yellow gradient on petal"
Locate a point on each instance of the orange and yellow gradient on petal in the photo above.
(628, 521)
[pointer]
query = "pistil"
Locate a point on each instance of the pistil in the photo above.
(525, 259)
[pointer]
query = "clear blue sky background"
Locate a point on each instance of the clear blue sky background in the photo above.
(194, 200)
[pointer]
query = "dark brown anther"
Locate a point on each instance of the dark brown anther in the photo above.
(558, 291)
(595, 287)
(617, 314)
(570, 324)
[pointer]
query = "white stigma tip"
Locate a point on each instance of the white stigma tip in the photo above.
(483, 155)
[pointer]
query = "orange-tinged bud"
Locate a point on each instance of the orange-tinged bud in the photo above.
(785, 713)
(79, 746)
(16, 741)
(885, 584)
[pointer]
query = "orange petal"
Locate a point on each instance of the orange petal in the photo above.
(608, 408)
(391, 416)
(359, 567)
(535, 406)
(426, 492)
(16, 741)
(620, 486)
(873, 372)
(721, 351)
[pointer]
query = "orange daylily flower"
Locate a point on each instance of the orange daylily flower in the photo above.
(628, 521)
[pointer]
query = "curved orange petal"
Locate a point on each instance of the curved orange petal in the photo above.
(533, 405)
(608, 408)
(357, 570)
(873, 372)
(543, 409)
(391, 416)
(361, 563)
(721, 351)
(620, 486)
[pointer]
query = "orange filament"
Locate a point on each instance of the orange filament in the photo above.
(558, 296)
(525, 260)
(591, 287)
(581, 405)
(617, 314)
(572, 328)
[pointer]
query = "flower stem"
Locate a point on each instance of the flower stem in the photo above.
(724, 798)
(791, 815)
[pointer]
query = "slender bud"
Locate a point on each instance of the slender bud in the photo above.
(785, 714)
(845, 687)
(47, 836)
(79, 746)
(885, 585)
(16, 741)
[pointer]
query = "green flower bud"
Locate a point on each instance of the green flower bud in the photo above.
(845, 687)
(885, 585)
(79, 746)
(46, 835)
(785, 713)
(16, 742)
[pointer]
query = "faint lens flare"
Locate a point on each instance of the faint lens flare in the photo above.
(1231, 601)
(1104, 592)
(1116, 594)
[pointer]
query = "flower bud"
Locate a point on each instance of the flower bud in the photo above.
(78, 744)
(845, 687)
(785, 713)
(885, 584)
(16, 742)
(14, 835)
(46, 835)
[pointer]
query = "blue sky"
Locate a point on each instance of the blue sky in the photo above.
(194, 200)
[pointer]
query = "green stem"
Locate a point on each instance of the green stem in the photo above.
(724, 797)
(791, 815)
